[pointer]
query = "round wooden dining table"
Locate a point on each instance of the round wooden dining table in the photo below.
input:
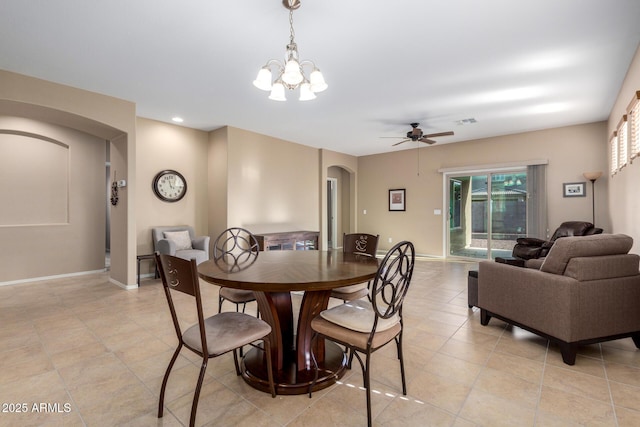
(273, 276)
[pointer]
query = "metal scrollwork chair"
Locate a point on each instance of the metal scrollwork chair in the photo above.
(212, 336)
(238, 248)
(361, 244)
(366, 326)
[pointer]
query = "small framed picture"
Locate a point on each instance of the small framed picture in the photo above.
(573, 189)
(397, 200)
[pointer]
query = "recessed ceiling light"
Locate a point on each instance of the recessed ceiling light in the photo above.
(178, 119)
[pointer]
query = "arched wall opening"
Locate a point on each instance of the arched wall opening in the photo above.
(105, 118)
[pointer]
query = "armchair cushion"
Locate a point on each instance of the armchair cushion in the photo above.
(181, 239)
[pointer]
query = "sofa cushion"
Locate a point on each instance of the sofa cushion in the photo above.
(584, 246)
(182, 239)
(602, 267)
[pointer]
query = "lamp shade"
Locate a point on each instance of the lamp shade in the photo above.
(592, 176)
(277, 92)
(317, 81)
(263, 81)
(292, 74)
(306, 94)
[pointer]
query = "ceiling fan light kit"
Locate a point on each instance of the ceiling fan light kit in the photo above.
(290, 75)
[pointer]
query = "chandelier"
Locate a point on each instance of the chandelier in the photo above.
(290, 75)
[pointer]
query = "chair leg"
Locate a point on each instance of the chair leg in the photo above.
(220, 300)
(366, 375)
(196, 394)
(350, 352)
(165, 379)
(267, 350)
(401, 357)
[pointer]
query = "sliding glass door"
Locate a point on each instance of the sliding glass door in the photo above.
(487, 213)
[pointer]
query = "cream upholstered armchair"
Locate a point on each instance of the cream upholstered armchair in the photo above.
(180, 241)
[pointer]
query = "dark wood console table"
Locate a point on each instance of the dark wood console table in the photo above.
(291, 240)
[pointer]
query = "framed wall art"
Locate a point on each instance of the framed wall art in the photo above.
(397, 200)
(573, 189)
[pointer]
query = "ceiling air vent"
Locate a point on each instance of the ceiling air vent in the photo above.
(466, 121)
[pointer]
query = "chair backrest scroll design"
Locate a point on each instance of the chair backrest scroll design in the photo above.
(392, 281)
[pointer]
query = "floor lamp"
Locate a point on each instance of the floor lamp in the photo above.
(592, 176)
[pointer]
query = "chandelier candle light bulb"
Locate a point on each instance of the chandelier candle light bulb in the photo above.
(290, 75)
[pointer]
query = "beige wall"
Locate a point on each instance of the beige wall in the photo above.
(272, 184)
(218, 181)
(570, 151)
(162, 146)
(624, 192)
(107, 118)
(53, 220)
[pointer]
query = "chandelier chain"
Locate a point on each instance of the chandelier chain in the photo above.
(292, 32)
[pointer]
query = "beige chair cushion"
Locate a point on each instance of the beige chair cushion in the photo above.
(182, 239)
(226, 331)
(566, 248)
(358, 316)
(237, 295)
(351, 337)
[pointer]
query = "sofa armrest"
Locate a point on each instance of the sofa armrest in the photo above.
(527, 296)
(166, 247)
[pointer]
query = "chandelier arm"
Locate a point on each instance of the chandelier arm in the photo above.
(308, 62)
(278, 64)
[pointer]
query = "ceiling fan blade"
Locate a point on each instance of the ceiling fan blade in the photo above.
(428, 141)
(398, 143)
(433, 135)
(394, 137)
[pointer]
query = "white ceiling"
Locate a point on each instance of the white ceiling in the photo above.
(513, 66)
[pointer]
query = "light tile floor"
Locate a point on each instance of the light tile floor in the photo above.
(80, 351)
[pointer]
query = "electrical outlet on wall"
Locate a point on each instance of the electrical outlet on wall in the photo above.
(390, 240)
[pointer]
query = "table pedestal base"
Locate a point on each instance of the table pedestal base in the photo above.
(290, 380)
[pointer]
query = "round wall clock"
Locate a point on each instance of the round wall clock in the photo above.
(169, 186)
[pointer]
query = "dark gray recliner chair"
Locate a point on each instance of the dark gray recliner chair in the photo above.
(531, 247)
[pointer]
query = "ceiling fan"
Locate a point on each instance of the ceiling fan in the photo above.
(416, 135)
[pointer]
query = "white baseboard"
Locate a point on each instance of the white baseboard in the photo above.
(59, 276)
